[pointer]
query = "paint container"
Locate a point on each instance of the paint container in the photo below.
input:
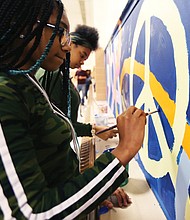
(101, 120)
(126, 167)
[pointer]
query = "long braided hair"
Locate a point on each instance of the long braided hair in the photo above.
(64, 74)
(19, 18)
(67, 86)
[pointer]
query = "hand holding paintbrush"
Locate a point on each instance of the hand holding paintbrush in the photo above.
(115, 126)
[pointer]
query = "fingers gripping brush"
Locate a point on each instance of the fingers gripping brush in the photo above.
(115, 126)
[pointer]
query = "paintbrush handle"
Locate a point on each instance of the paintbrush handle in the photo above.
(150, 113)
(107, 129)
(115, 126)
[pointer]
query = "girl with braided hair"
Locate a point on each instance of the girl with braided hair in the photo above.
(60, 89)
(39, 171)
(63, 93)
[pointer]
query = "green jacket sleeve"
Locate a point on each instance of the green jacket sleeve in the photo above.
(56, 96)
(82, 129)
(38, 169)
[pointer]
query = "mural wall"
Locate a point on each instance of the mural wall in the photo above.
(147, 65)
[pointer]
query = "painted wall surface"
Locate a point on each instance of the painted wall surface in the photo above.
(147, 65)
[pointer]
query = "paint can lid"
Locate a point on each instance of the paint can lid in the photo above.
(103, 210)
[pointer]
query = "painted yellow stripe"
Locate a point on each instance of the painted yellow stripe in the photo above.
(186, 140)
(161, 96)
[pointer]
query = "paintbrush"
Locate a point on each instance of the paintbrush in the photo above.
(115, 126)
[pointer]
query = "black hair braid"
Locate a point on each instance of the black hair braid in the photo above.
(7, 6)
(66, 86)
(37, 33)
(64, 72)
(30, 19)
(12, 8)
(14, 20)
(7, 24)
(20, 18)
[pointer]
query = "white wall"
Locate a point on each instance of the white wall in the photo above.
(106, 15)
(102, 14)
(72, 8)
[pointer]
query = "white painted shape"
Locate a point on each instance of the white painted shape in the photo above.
(155, 8)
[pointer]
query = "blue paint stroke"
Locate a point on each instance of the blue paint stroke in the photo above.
(182, 186)
(167, 129)
(163, 189)
(162, 62)
(138, 84)
(154, 151)
(179, 155)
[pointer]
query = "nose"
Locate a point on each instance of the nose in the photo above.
(64, 50)
(81, 62)
(66, 46)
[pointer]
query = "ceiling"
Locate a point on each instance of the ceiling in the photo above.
(77, 12)
(80, 12)
(101, 14)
